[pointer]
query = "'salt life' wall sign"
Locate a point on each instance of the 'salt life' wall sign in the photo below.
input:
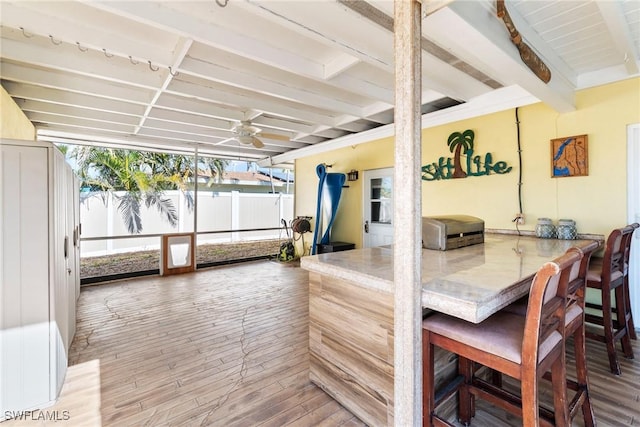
(461, 145)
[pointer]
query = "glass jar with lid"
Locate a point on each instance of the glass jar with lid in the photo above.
(545, 228)
(566, 229)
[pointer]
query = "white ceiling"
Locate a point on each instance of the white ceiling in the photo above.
(312, 74)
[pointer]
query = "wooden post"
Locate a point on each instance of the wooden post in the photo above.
(407, 216)
(195, 195)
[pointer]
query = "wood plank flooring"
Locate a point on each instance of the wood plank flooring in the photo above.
(228, 346)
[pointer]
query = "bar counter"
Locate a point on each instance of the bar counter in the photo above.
(351, 309)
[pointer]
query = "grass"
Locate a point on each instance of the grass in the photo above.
(150, 260)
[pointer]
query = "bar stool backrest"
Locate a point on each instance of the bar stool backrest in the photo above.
(547, 300)
(578, 279)
(627, 244)
(616, 254)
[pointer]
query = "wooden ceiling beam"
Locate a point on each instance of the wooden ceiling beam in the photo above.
(256, 83)
(493, 51)
(65, 81)
(619, 28)
(63, 97)
(172, 20)
(78, 22)
(70, 59)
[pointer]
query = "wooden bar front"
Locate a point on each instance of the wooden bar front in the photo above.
(351, 347)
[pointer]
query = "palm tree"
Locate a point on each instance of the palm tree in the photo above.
(130, 172)
(216, 168)
(144, 177)
(177, 170)
(457, 142)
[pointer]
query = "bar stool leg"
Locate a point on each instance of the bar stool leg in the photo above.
(628, 314)
(622, 321)
(607, 322)
(631, 329)
(466, 405)
(428, 381)
(559, 382)
(582, 376)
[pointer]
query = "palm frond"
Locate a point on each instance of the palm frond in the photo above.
(188, 197)
(164, 206)
(142, 182)
(129, 208)
(216, 168)
(87, 195)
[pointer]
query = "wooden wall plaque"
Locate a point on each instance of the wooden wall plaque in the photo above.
(569, 156)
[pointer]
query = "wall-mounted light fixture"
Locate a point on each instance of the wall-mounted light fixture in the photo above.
(353, 175)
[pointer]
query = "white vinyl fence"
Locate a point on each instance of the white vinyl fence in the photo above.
(229, 212)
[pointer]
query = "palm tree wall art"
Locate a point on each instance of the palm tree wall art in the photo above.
(464, 162)
(457, 142)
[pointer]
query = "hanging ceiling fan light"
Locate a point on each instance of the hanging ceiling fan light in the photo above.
(246, 134)
(245, 139)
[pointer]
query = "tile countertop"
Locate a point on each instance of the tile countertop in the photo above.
(470, 283)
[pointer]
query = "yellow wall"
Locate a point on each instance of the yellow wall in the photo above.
(347, 226)
(13, 123)
(596, 202)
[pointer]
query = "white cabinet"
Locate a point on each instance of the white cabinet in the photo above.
(39, 266)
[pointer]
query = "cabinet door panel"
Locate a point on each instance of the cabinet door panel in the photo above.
(24, 281)
(60, 302)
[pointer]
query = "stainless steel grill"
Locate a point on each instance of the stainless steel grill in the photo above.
(451, 231)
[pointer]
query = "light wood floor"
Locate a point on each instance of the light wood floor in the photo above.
(228, 346)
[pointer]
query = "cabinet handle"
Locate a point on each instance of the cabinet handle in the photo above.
(66, 246)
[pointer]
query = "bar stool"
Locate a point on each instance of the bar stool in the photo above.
(574, 327)
(522, 347)
(610, 276)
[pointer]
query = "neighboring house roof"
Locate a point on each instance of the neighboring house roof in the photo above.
(282, 176)
(256, 178)
(249, 176)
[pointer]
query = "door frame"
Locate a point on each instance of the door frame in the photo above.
(367, 175)
(633, 214)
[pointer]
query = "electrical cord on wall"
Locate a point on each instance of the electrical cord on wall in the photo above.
(520, 213)
(519, 163)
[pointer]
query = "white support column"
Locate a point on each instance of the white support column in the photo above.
(195, 207)
(110, 218)
(181, 211)
(195, 195)
(407, 215)
(280, 202)
(235, 215)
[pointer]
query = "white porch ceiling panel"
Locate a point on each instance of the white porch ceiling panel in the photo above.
(173, 75)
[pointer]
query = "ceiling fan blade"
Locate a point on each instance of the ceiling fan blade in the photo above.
(275, 136)
(257, 143)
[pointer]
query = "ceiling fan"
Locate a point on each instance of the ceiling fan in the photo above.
(247, 134)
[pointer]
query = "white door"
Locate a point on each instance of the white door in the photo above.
(378, 207)
(633, 197)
